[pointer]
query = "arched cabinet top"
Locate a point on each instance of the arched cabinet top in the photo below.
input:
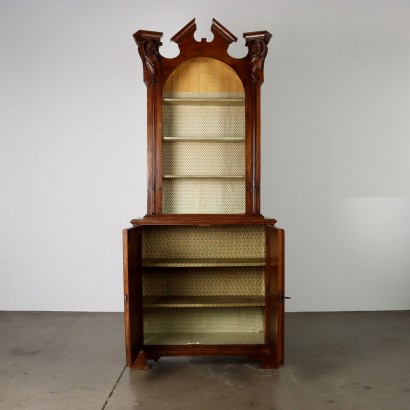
(158, 68)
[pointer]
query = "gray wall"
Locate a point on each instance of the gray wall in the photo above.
(336, 146)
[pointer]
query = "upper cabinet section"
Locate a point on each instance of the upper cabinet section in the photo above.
(203, 123)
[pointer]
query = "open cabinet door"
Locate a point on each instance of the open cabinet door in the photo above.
(275, 288)
(132, 251)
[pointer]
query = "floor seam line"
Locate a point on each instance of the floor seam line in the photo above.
(113, 389)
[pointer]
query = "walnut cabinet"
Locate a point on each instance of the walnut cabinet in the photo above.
(203, 269)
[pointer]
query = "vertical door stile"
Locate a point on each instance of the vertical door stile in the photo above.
(132, 246)
(274, 286)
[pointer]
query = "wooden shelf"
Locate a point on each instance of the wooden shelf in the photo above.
(204, 101)
(228, 338)
(165, 263)
(222, 139)
(203, 176)
(203, 220)
(202, 301)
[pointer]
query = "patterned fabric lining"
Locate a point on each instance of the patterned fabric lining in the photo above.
(226, 241)
(203, 320)
(202, 158)
(203, 196)
(203, 281)
(203, 121)
(179, 242)
(203, 117)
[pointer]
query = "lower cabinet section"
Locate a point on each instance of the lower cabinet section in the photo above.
(204, 290)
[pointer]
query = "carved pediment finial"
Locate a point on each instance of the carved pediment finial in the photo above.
(185, 32)
(218, 29)
(185, 36)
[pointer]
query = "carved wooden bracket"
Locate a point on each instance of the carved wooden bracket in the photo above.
(148, 45)
(257, 43)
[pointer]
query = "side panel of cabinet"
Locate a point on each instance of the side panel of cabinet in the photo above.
(275, 287)
(154, 147)
(132, 252)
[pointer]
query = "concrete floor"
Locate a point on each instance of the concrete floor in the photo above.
(333, 361)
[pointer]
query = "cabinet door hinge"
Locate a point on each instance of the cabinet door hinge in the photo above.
(125, 298)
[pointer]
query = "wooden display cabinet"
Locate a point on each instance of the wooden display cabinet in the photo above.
(203, 270)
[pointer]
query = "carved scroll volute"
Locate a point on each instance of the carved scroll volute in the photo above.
(257, 43)
(148, 45)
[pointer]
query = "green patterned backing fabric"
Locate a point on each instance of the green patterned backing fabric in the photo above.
(170, 323)
(203, 153)
(203, 196)
(203, 320)
(203, 281)
(219, 241)
(203, 158)
(203, 115)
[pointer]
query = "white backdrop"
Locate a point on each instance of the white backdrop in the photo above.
(336, 145)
